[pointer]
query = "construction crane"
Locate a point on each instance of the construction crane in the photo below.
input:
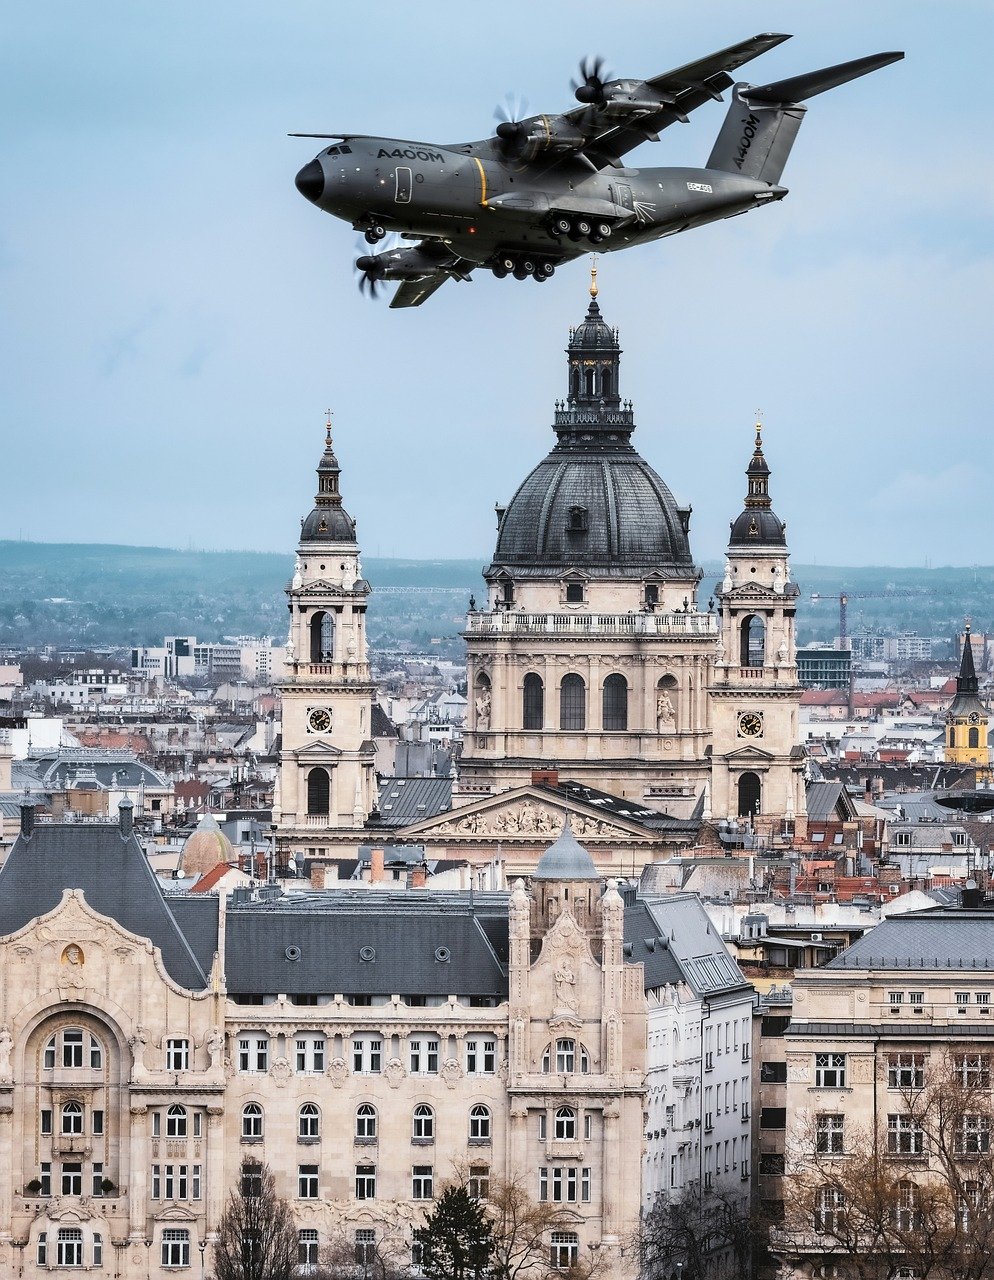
(845, 596)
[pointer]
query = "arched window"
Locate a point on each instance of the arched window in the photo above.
(566, 1124)
(479, 1124)
(252, 1121)
(424, 1123)
(574, 382)
(974, 738)
(590, 379)
(176, 1122)
(569, 1056)
(606, 383)
(309, 1121)
(952, 736)
(365, 1121)
(322, 628)
(318, 791)
(482, 702)
(572, 703)
(749, 795)
(752, 638)
(72, 1117)
(615, 703)
(533, 702)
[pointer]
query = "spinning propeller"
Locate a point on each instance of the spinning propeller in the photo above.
(512, 134)
(590, 87)
(371, 267)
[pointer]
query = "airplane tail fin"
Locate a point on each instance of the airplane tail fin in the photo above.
(763, 120)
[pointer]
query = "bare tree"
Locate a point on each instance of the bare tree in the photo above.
(917, 1193)
(698, 1234)
(521, 1228)
(342, 1259)
(257, 1236)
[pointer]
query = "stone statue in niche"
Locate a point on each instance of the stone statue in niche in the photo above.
(566, 986)
(483, 709)
(298, 578)
(6, 1044)
(665, 714)
(215, 1046)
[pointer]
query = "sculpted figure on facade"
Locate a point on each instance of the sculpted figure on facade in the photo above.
(483, 710)
(566, 998)
(665, 714)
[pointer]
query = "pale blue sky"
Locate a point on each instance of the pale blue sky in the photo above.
(176, 318)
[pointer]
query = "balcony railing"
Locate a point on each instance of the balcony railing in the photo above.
(593, 624)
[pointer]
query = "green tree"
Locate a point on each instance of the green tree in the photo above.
(257, 1236)
(457, 1239)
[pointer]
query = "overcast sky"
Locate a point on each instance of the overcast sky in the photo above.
(176, 318)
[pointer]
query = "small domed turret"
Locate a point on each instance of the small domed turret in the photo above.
(758, 525)
(329, 521)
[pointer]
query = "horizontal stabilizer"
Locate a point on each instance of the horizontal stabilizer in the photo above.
(800, 88)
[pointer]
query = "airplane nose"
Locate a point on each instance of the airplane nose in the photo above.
(310, 181)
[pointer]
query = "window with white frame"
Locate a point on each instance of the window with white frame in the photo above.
(424, 1056)
(175, 1247)
(307, 1182)
(904, 1136)
(830, 1205)
(176, 1122)
(830, 1070)
(563, 1184)
(423, 1127)
(177, 1055)
(478, 1182)
(309, 1121)
(906, 1071)
(973, 1135)
(310, 1054)
(41, 1254)
(365, 1122)
(565, 1129)
(479, 1123)
(564, 1250)
(307, 1249)
(365, 1246)
(829, 1134)
(569, 1058)
(72, 1118)
(973, 1070)
(253, 1120)
(72, 1179)
(365, 1182)
(69, 1247)
(253, 1054)
(367, 1055)
(907, 1210)
(481, 1056)
(98, 1249)
(422, 1182)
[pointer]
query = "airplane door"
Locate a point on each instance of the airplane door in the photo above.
(404, 182)
(623, 196)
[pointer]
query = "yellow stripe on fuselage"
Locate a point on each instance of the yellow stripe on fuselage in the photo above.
(483, 181)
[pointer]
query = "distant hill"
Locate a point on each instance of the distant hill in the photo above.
(95, 595)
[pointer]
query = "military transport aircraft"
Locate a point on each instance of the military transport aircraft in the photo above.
(546, 189)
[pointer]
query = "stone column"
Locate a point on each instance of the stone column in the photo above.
(215, 1190)
(139, 1153)
(611, 1183)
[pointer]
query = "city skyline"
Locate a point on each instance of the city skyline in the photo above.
(178, 319)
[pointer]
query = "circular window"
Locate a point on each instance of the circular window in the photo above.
(367, 953)
(443, 955)
(292, 953)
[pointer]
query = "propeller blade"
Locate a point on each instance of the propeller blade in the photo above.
(590, 87)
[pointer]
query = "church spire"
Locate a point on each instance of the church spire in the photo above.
(758, 523)
(329, 521)
(593, 408)
(966, 681)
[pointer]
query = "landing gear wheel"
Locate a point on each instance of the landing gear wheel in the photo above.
(508, 264)
(574, 234)
(595, 237)
(520, 273)
(561, 226)
(540, 277)
(583, 227)
(528, 266)
(499, 270)
(603, 229)
(373, 235)
(544, 271)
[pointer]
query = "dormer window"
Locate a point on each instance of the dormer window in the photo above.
(574, 593)
(577, 520)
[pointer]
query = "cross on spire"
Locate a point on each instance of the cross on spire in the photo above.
(327, 426)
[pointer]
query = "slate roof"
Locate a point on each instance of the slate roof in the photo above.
(57, 769)
(673, 933)
(113, 874)
(433, 945)
(823, 801)
(892, 1030)
(566, 859)
(935, 940)
(403, 801)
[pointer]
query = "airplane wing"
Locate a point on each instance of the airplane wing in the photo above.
(413, 292)
(689, 87)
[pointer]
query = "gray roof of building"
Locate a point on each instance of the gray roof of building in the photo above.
(58, 769)
(402, 801)
(892, 1030)
(692, 944)
(112, 873)
(197, 916)
(365, 944)
(940, 939)
(566, 859)
(823, 799)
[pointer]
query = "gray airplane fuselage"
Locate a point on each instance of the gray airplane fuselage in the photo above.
(483, 203)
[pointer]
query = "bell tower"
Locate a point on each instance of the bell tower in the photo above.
(327, 781)
(756, 771)
(967, 717)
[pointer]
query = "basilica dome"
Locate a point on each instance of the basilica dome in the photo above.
(594, 504)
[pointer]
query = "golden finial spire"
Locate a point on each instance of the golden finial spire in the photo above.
(759, 428)
(593, 277)
(327, 427)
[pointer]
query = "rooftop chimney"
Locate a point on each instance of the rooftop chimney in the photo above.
(126, 817)
(27, 817)
(419, 875)
(545, 777)
(376, 871)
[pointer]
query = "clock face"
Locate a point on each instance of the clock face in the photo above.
(974, 717)
(319, 720)
(750, 724)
